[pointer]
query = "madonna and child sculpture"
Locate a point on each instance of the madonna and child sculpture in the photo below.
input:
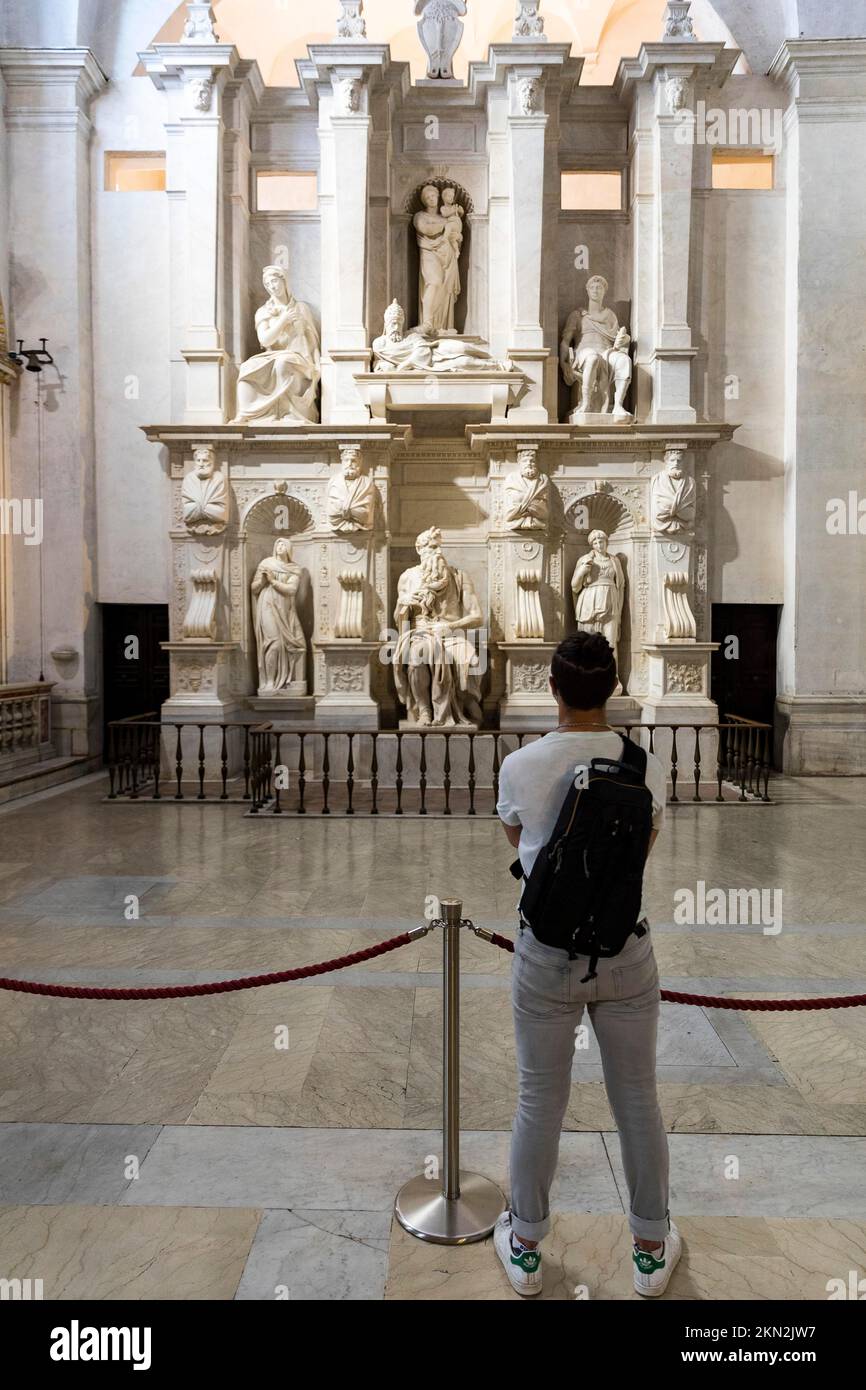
(439, 228)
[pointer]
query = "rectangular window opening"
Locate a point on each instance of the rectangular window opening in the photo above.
(281, 190)
(746, 169)
(592, 190)
(134, 171)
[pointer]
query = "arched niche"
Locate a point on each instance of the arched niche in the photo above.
(412, 205)
(587, 511)
(278, 513)
(278, 516)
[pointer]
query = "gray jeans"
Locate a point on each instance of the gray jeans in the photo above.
(623, 1002)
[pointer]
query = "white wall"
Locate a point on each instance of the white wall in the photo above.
(130, 322)
(737, 312)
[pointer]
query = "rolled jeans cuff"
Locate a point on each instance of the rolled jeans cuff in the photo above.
(643, 1229)
(529, 1230)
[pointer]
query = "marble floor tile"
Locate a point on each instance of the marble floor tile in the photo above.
(318, 1255)
(279, 1168)
(349, 1090)
(55, 1163)
(751, 1109)
(87, 1252)
(776, 1175)
(822, 1054)
(588, 1257)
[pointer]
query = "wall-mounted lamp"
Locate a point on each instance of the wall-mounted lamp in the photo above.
(32, 359)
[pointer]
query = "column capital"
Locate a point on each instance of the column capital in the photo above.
(810, 69)
(710, 63)
(171, 64)
(44, 86)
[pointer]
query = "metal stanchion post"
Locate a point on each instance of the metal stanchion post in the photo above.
(467, 1205)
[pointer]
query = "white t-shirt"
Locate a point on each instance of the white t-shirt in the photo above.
(534, 781)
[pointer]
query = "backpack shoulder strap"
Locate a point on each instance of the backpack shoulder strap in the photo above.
(634, 757)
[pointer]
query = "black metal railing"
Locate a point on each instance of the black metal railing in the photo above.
(315, 771)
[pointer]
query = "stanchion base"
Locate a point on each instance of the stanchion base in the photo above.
(422, 1210)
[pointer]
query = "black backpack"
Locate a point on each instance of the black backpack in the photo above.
(584, 892)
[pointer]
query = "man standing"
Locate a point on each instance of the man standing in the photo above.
(550, 991)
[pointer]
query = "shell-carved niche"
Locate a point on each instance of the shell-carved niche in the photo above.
(413, 205)
(276, 516)
(600, 511)
(278, 513)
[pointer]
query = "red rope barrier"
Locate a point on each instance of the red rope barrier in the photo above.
(279, 977)
(718, 1001)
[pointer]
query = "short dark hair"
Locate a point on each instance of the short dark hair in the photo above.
(584, 670)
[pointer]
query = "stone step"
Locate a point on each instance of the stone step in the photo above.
(38, 777)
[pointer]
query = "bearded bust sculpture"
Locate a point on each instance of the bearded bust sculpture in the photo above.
(673, 498)
(528, 495)
(352, 495)
(204, 495)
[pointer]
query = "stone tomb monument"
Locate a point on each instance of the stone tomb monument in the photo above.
(380, 520)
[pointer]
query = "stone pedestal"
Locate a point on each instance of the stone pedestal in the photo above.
(292, 706)
(597, 417)
(535, 364)
(489, 396)
(204, 692)
(202, 679)
(679, 682)
(346, 702)
(528, 703)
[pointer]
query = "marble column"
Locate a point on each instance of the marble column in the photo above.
(528, 160)
(352, 597)
(821, 703)
(193, 75)
(523, 194)
(345, 75)
(661, 84)
(678, 662)
(48, 130)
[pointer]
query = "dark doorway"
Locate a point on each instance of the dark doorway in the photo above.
(743, 671)
(135, 676)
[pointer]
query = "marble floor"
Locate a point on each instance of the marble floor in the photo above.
(250, 1145)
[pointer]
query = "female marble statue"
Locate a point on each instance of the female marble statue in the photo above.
(598, 588)
(280, 383)
(439, 274)
(281, 646)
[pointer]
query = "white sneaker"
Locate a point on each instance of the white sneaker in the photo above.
(652, 1271)
(524, 1271)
